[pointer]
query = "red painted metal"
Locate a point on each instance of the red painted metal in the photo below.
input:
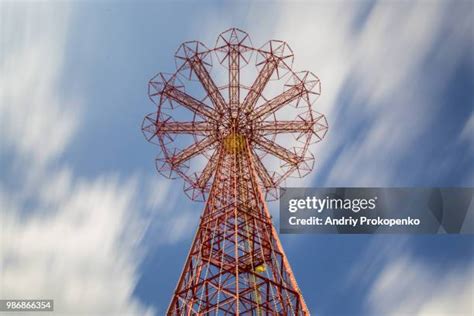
(226, 145)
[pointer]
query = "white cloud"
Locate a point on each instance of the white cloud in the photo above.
(377, 68)
(397, 282)
(159, 192)
(177, 227)
(73, 240)
(172, 222)
(467, 134)
(466, 138)
(409, 287)
(82, 249)
(36, 120)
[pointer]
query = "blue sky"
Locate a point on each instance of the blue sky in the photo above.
(88, 222)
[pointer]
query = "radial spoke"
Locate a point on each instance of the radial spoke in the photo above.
(208, 84)
(262, 172)
(234, 77)
(197, 128)
(189, 102)
(278, 127)
(259, 84)
(277, 150)
(277, 102)
(208, 171)
(192, 151)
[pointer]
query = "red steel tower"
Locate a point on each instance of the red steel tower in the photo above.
(234, 135)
